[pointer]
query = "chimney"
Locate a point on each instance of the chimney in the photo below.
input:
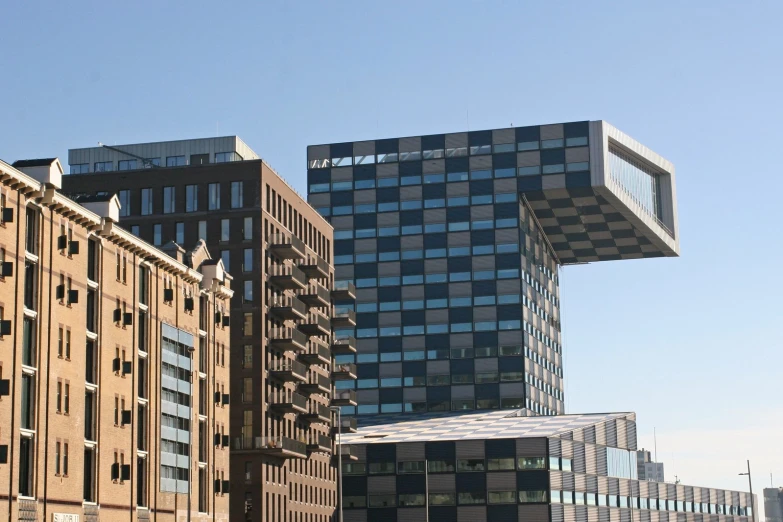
(48, 171)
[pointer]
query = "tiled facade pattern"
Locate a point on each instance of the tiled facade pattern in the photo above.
(503, 467)
(84, 387)
(279, 251)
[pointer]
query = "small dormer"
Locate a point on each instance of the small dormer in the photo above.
(46, 170)
(105, 205)
(174, 250)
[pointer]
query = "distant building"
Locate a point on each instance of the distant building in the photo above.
(773, 504)
(504, 466)
(647, 469)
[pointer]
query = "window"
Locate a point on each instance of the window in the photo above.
(157, 234)
(412, 499)
(225, 255)
(191, 198)
(247, 260)
(169, 200)
(26, 466)
(247, 359)
(124, 197)
(472, 497)
(225, 229)
(202, 230)
(248, 291)
(130, 164)
(179, 233)
(31, 236)
(527, 497)
(57, 458)
(440, 466)
(27, 402)
(470, 465)
(247, 325)
(146, 201)
(416, 466)
(214, 196)
(381, 468)
(442, 499)
(247, 228)
(226, 157)
(503, 464)
(531, 463)
(502, 497)
(382, 501)
(236, 194)
(103, 166)
(80, 168)
(175, 161)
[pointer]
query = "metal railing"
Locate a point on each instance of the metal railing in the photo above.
(345, 395)
(286, 241)
(318, 263)
(320, 381)
(347, 341)
(280, 271)
(289, 366)
(348, 424)
(345, 368)
(344, 313)
(320, 352)
(319, 292)
(286, 334)
(270, 443)
(322, 441)
(291, 302)
(319, 320)
(344, 286)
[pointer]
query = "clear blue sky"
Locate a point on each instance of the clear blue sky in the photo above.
(691, 344)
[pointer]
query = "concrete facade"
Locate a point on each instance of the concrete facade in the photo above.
(773, 504)
(84, 398)
(280, 253)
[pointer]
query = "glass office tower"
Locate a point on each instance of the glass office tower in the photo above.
(454, 243)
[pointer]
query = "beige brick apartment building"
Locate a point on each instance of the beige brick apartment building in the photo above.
(114, 380)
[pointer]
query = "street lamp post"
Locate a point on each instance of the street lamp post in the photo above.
(339, 460)
(750, 485)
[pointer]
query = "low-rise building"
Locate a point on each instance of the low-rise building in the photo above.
(114, 384)
(505, 466)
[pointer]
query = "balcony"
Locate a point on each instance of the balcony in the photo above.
(288, 307)
(318, 384)
(316, 295)
(320, 443)
(346, 452)
(344, 344)
(347, 425)
(321, 355)
(288, 402)
(319, 413)
(287, 277)
(344, 291)
(287, 247)
(283, 339)
(277, 446)
(344, 372)
(344, 398)
(315, 267)
(289, 371)
(315, 324)
(343, 317)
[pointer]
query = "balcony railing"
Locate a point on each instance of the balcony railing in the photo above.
(343, 317)
(319, 413)
(279, 446)
(316, 295)
(346, 452)
(344, 372)
(285, 338)
(288, 277)
(315, 267)
(315, 324)
(347, 425)
(320, 442)
(290, 371)
(320, 355)
(344, 290)
(344, 398)
(318, 384)
(288, 307)
(288, 402)
(287, 246)
(344, 344)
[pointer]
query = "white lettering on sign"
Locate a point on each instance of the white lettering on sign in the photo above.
(64, 517)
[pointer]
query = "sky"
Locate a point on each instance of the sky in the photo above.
(692, 344)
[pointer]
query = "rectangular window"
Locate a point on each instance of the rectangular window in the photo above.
(146, 201)
(80, 168)
(175, 161)
(225, 255)
(225, 229)
(191, 198)
(125, 207)
(247, 359)
(130, 164)
(27, 402)
(103, 166)
(247, 228)
(31, 235)
(248, 291)
(214, 196)
(247, 260)
(237, 200)
(157, 234)
(179, 233)
(169, 200)
(202, 230)
(26, 466)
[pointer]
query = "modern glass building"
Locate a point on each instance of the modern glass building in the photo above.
(455, 241)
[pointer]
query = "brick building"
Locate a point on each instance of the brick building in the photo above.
(114, 384)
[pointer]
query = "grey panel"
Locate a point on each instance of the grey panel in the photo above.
(569, 483)
(435, 266)
(377, 485)
(528, 159)
(462, 392)
(364, 196)
(342, 222)
(441, 483)
(367, 345)
(553, 181)
(343, 272)
(433, 166)
(534, 513)
(367, 396)
(483, 263)
(318, 152)
(456, 139)
(471, 514)
(365, 245)
(554, 447)
(388, 269)
(390, 369)
(498, 481)
(485, 313)
(577, 154)
(486, 364)
(457, 189)
(551, 132)
(505, 185)
(437, 316)
(460, 289)
(482, 212)
(363, 148)
(511, 338)
(461, 340)
(500, 136)
(413, 342)
(529, 447)
(389, 318)
(366, 294)
(410, 144)
(457, 239)
(481, 162)
(470, 449)
(386, 170)
(342, 174)
(414, 394)
(410, 192)
(438, 367)
(435, 215)
(412, 292)
(411, 242)
(388, 219)
(412, 514)
(322, 200)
